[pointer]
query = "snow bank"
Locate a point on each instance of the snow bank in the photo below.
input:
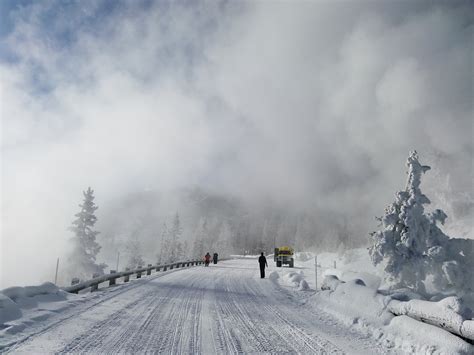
(449, 313)
(330, 282)
(13, 299)
(415, 337)
(353, 302)
(30, 291)
(291, 279)
(296, 279)
(303, 286)
(9, 310)
(369, 280)
(395, 318)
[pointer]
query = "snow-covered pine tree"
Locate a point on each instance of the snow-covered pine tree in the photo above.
(199, 236)
(224, 243)
(411, 246)
(161, 256)
(82, 261)
(175, 235)
(185, 251)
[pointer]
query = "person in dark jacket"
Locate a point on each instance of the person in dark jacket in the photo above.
(207, 259)
(263, 262)
(214, 258)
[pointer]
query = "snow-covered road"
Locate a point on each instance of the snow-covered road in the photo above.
(225, 308)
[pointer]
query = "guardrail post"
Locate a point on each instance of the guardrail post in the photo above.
(165, 267)
(126, 278)
(171, 266)
(139, 273)
(112, 281)
(148, 271)
(95, 287)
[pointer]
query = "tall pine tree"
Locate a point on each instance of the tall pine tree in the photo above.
(175, 236)
(200, 234)
(165, 246)
(85, 249)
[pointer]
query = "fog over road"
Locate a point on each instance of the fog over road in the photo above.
(225, 308)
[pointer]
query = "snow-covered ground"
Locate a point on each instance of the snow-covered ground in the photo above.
(225, 308)
(362, 303)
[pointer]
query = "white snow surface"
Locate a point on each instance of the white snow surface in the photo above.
(365, 307)
(224, 308)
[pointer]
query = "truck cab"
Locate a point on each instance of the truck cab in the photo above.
(284, 255)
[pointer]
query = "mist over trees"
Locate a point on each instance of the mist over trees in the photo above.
(82, 260)
(187, 223)
(134, 253)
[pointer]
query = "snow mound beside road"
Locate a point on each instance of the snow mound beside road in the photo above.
(372, 311)
(296, 279)
(9, 310)
(14, 299)
(22, 307)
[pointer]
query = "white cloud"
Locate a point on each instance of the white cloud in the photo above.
(309, 103)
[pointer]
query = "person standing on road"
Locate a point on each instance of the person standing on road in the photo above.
(207, 259)
(263, 262)
(214, 258)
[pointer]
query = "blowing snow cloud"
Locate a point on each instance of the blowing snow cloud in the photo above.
(310, 104)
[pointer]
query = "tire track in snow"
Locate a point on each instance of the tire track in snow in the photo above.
(152, 324)
(240, 303)
(118, 328)
(290, 325)
(82, 308)
(213, 310)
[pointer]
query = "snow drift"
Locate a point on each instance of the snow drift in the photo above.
(381, 313)
(14, 299)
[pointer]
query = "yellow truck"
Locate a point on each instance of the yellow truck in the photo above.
(284, 255)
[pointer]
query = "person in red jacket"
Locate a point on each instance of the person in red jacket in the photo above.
(207, 259)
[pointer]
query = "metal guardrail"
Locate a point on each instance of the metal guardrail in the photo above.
(113, 276)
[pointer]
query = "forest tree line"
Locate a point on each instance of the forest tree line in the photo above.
(139, 234)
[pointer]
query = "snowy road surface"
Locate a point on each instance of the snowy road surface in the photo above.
(225, 308)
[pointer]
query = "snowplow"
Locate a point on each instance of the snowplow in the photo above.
(283, 255)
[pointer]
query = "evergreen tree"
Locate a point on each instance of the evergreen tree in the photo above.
(199, 236)
(411, 246)
(175, 235)
(164, 245)
(83, 258)
(185, 252)
(224, 244)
